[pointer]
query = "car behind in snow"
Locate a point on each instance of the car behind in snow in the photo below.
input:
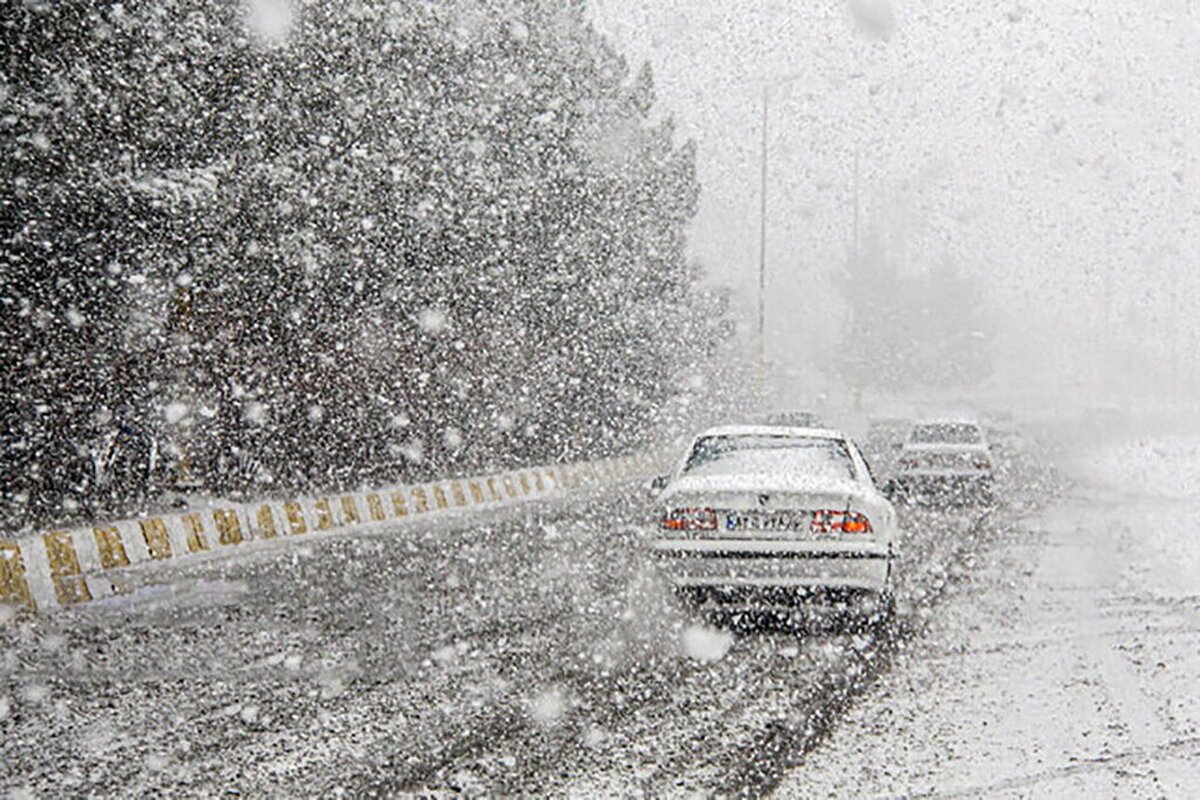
(767, 517)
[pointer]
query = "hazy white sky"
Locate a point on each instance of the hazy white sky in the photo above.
(1049, 147)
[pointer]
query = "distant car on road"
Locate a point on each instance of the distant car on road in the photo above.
(769, 517)
(945, 459)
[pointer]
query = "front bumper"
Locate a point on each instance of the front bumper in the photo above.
(727, 564)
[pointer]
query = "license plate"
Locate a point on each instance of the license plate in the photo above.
(768, 521)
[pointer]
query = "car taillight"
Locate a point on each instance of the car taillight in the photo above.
(840, 522)
(856, 523)
(690, 519)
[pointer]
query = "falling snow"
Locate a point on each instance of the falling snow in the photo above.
(710, 399)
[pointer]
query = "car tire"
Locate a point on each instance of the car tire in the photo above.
(887, 611)
(871, 611)
(987, 492)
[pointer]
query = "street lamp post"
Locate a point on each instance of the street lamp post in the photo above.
(762, 221)
(762, 240)
(762, 215)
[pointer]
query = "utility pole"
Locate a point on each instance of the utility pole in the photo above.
(859, 376)
(856, 154)
(762, 205)
(762, 244)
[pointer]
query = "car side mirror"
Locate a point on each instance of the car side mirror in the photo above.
(656, 485)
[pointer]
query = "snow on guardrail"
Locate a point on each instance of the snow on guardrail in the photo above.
(66, 567)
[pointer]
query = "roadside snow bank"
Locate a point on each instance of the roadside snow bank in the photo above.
(1148, 488)
(1158, 467)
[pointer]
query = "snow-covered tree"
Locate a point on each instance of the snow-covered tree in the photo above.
(372, 240)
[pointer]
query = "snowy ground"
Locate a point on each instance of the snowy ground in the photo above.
(531, 652)
(1067, 666)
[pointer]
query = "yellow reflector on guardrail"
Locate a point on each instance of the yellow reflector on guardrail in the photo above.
(154, 531)
(69, 584)
(439, 498)
(375, 508)
(229, 529)
(13, 587)
(399, 505)
(193, 527)
(350, 510)
(266, 522)
(295, 517)
(324, 514)
(110, 548)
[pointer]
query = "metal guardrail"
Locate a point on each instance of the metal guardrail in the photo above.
(61, 568)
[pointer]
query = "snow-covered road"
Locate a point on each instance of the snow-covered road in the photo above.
(1067, 666)
(531, 651)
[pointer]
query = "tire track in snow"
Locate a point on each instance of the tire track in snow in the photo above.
(788, 739)
(711, 733)
(1185, 749)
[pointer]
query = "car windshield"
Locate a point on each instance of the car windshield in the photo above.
(755, 454)
(946, 433)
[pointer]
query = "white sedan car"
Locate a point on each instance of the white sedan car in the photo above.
(760, 517)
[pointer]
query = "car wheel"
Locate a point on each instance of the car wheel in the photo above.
(887, 608)
(987, 493)
(870, 611)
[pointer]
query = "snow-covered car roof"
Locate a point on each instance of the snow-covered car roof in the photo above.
(786, 413)
(954, 418)
(771, 430)
(946, 446)
(917, 438)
